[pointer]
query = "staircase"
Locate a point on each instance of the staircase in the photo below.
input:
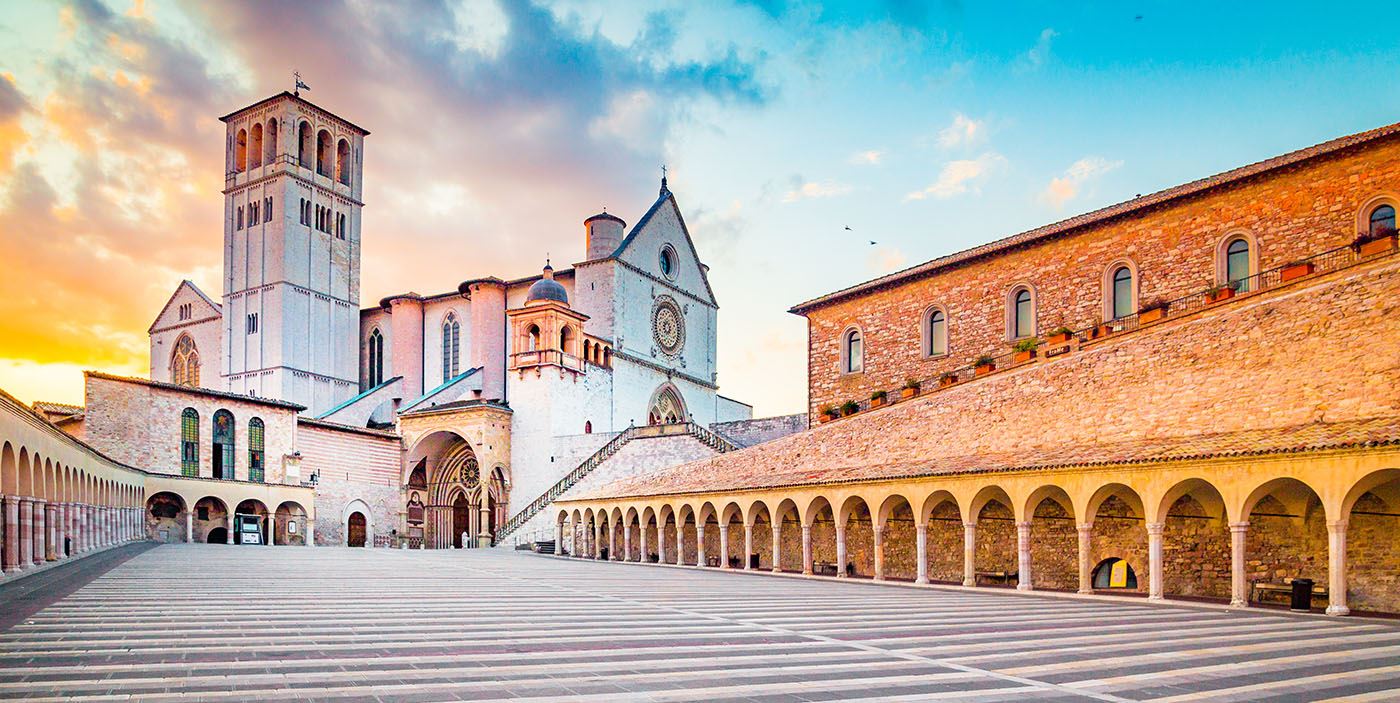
(706, 436)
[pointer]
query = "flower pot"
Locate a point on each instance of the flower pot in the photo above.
(985, 369)
(908, 392)
(1293, 271)
(1152, 315)
(825, 419)
(1376, 246)
(1024, 356)
(947, 381)
(1225, 293)
(848, 413)
(877, 403)
(1061, 338)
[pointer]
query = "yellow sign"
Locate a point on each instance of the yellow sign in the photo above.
(1118, 578)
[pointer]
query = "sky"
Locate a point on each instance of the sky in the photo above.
(497, 127)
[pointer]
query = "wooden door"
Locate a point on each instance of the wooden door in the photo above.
(356, 537)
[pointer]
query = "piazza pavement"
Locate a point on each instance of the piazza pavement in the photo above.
(221, 623)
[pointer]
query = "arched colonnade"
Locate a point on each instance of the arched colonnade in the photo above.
(1229, 530)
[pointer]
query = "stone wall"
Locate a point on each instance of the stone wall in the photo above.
(356, 470)
(747, 433)
(1291, 213)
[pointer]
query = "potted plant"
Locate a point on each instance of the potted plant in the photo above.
(1025, 350)
(1296, 269)
(877, 399)
(1219, 292)
(1153, 311)
(911, 388)
(1059, 335)
(1369, 244)
(849, 407)
(828, 413)
(947, 379)
(984, 365)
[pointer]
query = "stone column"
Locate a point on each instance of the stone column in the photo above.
(558, 538)
(612, 543)
(748, 547)
(878, 534)
(724, 546)
(777, 534)
(1086, 576)
(921, 552)
(680, 544)
(26, 532)
(807, 549)
(310, 532)
(1337, 568)
(89, 528)
(969, 554)
(69, 540)
(1023, 557)
(1239, 597)
(11, 562)
(627, 542)
(369, 538)
(1154, 560)
(59, 531)
(39, 528)
(189, 526)
(51, 538)
(699, 544)
(660, 543)
(597, 541)
(840, 550)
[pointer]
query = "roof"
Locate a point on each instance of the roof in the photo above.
(196, 391)
(328, 425)
(458, 405)
(749, 469)
(357, 398)
(295, 98)
(1102, 215)
(606, 216)
(183, 284)
(44, 406)
(665, 196)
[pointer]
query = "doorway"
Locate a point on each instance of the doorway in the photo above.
(459, 520)
(355, 536)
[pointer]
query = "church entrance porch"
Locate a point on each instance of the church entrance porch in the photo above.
(456, 477)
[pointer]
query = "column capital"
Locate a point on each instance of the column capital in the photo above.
(1156, 528)
(1337, 525)
(1085, 527)
(1242, 526)
(969, 525)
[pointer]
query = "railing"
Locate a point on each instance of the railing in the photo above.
(544, 357)
(1318, 264)
(701, 433)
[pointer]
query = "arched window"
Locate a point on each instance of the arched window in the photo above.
(342, 162)
(323, 153)
(935, 333)
(667, 407)
(1237, 264)
(240, 151)
(852, 352)
(255, 450)
(223, 445)
(270, 151)
(376, 358)
(184, 363)
(304, 145)
(533, 341)
(587, 351)
(451, 339)
(588, 427)
(1382, 221)
(1022, 313)
(255, 147)
(189, 442)
(566, 338)
(1122, 304)
(607, 357)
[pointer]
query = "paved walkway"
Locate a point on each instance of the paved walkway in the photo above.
(220, 623)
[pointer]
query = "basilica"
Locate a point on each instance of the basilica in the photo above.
(441, 419)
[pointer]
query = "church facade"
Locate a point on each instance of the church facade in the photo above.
(420, 419)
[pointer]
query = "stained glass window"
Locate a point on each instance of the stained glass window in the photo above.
(189, 442)
(255, 450)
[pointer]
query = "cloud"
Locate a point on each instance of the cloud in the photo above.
(963, 132)
(871, 157)
(1067, 187)
(883, 259)
(1040, 53)
(958, 177)
(807, 190)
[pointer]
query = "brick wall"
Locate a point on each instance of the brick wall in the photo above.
(1292, 213)
(352, 465)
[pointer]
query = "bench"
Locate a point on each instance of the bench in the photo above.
(824, 568)
(1259, 590)
(1000, 577)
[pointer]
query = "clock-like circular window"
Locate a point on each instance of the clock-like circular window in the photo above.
(668, 262)
(667, 325)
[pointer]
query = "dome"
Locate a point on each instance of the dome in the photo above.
(547, 289)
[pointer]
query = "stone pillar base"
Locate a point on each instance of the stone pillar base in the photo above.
(1338, 610)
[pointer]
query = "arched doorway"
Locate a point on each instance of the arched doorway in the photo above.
(1113, 574)
(460, 519)
(218, 535)
(250, 522)
(290, 524)
(211, 521)
(355, 530)
(666, 407)
(166, 517)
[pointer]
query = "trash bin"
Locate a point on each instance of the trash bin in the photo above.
(1302, 595)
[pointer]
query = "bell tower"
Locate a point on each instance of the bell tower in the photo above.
(546, 331)
(293, 189)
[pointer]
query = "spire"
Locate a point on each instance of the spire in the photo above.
(664, 189)
(548, 270)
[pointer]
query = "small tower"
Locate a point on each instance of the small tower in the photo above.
(546, 331)
(602, 235)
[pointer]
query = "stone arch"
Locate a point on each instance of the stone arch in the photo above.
(758, 521)
(1370, 514)
(245, 514)
(1195, 541)
(687, 518)
(666, 534)
(270, 150)
(667, 406)
(852, 352)
(1222, 250)
(650, 532)
(363, 525)
(9, 470)
(289, 524)
(1013, 300)
(729, 545)
(1108, 288)
(1054, 540)
(240, 151)
(820, 519)
(787, 520)
(897, 556)
(993, 515)
(323, 153)
(255, 146)
(1118, 530)
(857, 522)
(167, 517)
(943, 520)
(1286, 533)
(932, 345)
(1363, 213)
(342, 161)
(212, 521)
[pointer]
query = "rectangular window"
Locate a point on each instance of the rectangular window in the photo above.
(240, 217)
(267, 209)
